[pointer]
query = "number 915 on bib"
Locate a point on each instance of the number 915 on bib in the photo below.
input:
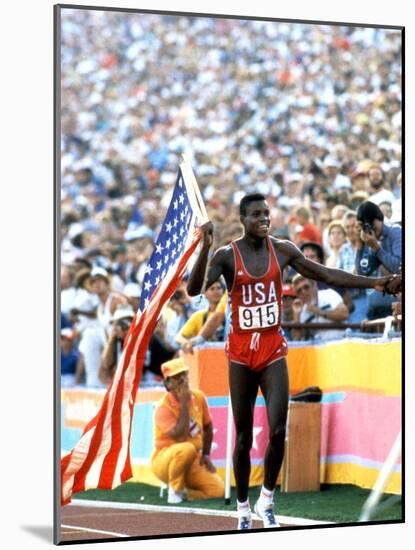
(255, 317)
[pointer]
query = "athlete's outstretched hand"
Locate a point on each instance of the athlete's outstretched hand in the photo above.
(394, 286)
(207, 234)
(391, 284)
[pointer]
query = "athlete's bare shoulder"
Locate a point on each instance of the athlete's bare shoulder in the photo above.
(285, 250)
(223, 254)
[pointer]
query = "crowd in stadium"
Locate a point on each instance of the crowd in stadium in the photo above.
(308, 115)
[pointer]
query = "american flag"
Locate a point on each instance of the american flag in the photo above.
(101, 458)
(171, 241)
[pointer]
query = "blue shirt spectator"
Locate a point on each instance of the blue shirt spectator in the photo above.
(380, 251)
(384, 242)
(70, 358)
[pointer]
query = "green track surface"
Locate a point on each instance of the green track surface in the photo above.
(336, 503)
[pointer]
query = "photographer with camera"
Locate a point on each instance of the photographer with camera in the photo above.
(379, 252)
(121, 322)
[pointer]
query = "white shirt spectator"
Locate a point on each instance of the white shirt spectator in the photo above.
(328, 299)
(384, 195)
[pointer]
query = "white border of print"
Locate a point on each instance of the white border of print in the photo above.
(27, 268)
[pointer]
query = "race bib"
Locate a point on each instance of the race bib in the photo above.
(256, 317)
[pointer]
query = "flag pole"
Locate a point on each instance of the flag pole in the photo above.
(191, 179)
(229, 429)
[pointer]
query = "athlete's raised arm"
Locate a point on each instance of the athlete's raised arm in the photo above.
(331, 276)
(215, 269)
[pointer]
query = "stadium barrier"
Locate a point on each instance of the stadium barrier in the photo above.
(360, 409)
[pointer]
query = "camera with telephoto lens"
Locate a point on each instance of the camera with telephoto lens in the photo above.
(368, 228)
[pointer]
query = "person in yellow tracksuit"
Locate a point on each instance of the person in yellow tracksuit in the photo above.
(183, 435)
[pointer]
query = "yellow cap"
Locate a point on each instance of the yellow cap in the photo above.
(173, 367)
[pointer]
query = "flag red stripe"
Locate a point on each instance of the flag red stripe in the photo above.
(111, 460)
(79, 479)
(143, 328)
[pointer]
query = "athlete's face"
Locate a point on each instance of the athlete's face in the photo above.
(257, 219)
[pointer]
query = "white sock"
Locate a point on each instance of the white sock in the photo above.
(266, 497)
(243, 507)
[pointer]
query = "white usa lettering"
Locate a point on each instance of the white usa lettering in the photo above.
(257, 293)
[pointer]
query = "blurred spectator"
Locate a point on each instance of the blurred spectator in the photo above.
(132, 292)
(313, 251)
(176, 315)
(378, 192)
(299, 135)
(337, 180)
(380, 251)
(337, 238)
(219, 318)
(159, 351)
(68, 291)
(346, 260)
(310, 231)
(109, 301)
(317, 306)
(336, 214)
(70, 359)
(120, 325)
(287, 313)
(347, 253)
(386, 208)
(360, 181)
(357, 198)
(397, 204)
(194, 324)
(87, 325)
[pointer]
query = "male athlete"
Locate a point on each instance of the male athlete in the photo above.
(252, 267)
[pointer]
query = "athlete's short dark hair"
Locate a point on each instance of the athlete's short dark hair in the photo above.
(247, 199)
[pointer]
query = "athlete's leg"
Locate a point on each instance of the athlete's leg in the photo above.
(243, 385)
(274, 387)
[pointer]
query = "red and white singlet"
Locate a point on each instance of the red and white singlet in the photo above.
(255, 339)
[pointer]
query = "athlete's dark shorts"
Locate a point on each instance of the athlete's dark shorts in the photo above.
(256, 350)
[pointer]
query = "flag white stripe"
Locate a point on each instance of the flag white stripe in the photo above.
(112, 472)
(190, 181)
(80, 452)
(92, 478)
(105, 447)
(126, 415)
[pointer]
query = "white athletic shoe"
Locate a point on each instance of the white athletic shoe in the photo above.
(266, 514)
(175, 497)
(245, 521)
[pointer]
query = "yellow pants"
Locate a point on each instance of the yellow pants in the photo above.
(179, 467)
